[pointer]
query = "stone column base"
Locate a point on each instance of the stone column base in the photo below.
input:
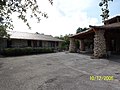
(72, 45)
(99, 44)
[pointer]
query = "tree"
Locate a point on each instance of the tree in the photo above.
(81, 29)
(3, 32)
(8, 7)
(66, 41)
(105, 10)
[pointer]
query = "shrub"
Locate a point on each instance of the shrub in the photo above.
(25, 51)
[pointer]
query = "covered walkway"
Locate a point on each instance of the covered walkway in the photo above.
(101, 39)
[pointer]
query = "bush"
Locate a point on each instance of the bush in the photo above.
(25, 51)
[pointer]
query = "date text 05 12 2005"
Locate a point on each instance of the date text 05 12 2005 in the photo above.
(108, 78)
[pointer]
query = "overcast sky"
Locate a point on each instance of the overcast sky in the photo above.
(65, 16)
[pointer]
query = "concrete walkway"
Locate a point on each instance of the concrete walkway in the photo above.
(58, 71)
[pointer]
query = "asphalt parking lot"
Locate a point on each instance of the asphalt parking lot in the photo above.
(58, 71)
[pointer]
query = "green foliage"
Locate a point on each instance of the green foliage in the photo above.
(51, 1)
(81, 29)
(8, 7)
(66, 41)
(25, 51)
(104, 7)
(3, 32)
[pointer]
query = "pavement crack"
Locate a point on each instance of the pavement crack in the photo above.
(51, 80)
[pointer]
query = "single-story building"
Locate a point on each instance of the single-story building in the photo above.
(25, 39)
(102, 39)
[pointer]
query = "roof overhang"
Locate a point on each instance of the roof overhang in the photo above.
(106, 27)
(83, 34)
(90, 32)
(112, 19)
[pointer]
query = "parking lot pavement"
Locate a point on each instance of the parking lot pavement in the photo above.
(58, 71)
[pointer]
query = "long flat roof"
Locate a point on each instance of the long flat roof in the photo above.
(31, 36)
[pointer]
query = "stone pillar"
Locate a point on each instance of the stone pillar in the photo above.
(99, 44)
(72, 45)
(82, 45)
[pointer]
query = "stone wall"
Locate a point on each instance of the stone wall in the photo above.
(82, 45)
(99, 44)
(72, 45)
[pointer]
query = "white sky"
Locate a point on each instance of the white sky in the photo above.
(65, 16)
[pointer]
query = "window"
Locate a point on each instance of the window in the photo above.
(57, 44)
(40, 43)
(34, 43)
(51, 44)
(9, 43)
(29, 43)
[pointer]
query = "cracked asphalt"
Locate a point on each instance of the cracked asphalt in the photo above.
(58, 71)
